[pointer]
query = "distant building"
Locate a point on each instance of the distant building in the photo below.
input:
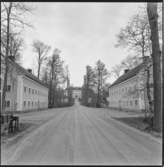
(76, 92)
(127, 93)
(24, 90)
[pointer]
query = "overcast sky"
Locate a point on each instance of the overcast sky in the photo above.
(84, 32)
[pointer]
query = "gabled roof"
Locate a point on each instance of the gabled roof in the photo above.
(27, 73)
(133, 72)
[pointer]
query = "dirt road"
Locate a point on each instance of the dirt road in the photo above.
(81, 135)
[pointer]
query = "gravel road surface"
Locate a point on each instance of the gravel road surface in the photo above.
(81, 135)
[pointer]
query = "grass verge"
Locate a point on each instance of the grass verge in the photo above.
(7, 138)
(138, 123)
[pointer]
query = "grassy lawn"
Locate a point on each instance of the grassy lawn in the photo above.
(16, 135)
(138, 123)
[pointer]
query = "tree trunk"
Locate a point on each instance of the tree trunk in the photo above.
(149, 100)
(162, 60)
(147, 85)
(6, 61)
(156, 54)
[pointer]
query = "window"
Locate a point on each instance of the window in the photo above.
(36, 92)
(29, 90)
(32, 91)
(126, 89)
(25, 89)
(123, 103)
(24, 103)
(32, 103)
(7, 103)
(123, 90)
(136, 102)
(28, 103)
(8, 88)
(35, 103)
(131, 103)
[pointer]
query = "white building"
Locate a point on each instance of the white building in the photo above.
(24, 90)
(76, 92)
(127, 92)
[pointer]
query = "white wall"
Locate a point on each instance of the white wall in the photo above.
(39, 100)
(120, 96)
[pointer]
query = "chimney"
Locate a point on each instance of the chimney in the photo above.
(145, 58)
(11, 58)
(29, 70)
(126, 70)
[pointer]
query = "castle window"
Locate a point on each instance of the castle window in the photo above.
(8, 88)
(7, 103)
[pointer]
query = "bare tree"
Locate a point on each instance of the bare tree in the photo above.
(101, 76)
(45, 75)
(116, 71)
(156, 55)
(13, 21)
(130, 62)
(135, 36)
(66, 77)
(55, 73)
(89, 83)
(42, 50)
(162, 57)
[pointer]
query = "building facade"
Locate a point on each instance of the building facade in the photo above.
(76, 92)
(24, 90)
(129, 92)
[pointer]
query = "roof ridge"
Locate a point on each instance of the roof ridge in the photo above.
(131, 73)
(28, 74)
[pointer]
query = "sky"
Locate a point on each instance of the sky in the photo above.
(84, 32)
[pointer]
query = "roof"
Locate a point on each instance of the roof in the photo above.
(28, 74)
(133, 72)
